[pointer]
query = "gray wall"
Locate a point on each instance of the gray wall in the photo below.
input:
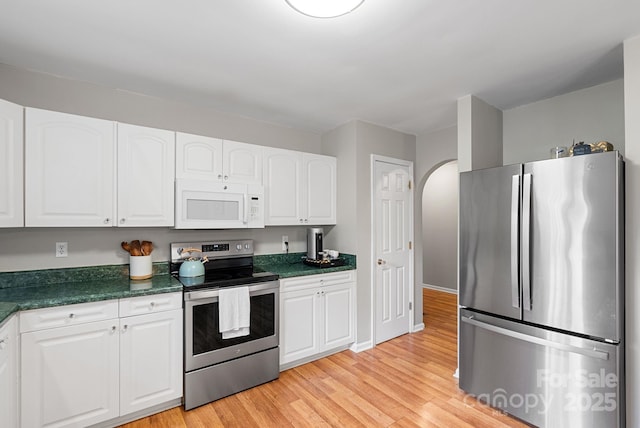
(432, 151)
(341, 143)
(479, 134)
(440, 228)
(357, 141)
(632, 241)
(590, 115)
(33, 248)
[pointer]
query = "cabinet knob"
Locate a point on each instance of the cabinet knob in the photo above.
(219, 176)
(152, 305)
(124, 328)
(306, 220)
(381, 262)
(122, 220)
(301, 221)
(226, 177)
(113, 328)
(72, 315)
(3, 344)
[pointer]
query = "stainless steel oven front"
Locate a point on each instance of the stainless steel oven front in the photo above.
(217, 367)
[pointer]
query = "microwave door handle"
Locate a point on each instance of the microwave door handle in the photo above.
(246, 208)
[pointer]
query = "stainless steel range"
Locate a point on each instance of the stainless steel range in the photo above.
(215, 366)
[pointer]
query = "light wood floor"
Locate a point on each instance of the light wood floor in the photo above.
(405, 382)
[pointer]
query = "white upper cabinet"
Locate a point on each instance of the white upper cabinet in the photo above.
(198, 157)
(300, 188)
(242, 162)
(320, 188)
(69, 177)
(206, 158)
(146, 173)
(11, 165)
(282, 187)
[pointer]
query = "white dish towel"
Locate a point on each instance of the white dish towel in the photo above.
(234, 310)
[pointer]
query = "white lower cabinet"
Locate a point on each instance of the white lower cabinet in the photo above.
(70, 375)
(150, 360)
(90, 372)
(317, 315)
(9, 374)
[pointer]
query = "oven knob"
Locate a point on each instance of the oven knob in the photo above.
(239, 247)
(247, 246)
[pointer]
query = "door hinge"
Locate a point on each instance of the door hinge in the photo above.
(409, 184)
(410, 305)
(410, 245)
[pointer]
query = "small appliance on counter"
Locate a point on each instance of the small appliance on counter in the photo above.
(315, 236)
(316, 255)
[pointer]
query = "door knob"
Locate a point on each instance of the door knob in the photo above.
(381, 262)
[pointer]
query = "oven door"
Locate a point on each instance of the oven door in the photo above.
(209, 205)
(204, 345)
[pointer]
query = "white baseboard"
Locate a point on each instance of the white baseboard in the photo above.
(359, 347)
(438, 288)
(417, 327)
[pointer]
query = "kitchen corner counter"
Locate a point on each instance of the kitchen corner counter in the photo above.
(290, 265)
(57, 287)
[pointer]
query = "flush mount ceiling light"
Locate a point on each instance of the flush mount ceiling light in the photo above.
(324, 8)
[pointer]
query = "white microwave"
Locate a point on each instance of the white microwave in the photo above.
(202, 204)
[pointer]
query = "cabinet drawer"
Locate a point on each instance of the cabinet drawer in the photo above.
(302, 282)
(60, 316)
(150, 304)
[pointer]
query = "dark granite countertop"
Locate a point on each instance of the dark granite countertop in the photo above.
(289, 265)
(57, 287)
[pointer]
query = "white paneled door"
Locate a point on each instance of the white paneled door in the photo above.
(392, 240)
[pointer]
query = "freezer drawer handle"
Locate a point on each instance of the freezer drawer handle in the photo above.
(594, 353)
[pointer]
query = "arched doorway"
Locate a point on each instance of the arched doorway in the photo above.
(440, 228)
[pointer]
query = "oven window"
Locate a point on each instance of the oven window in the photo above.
(206, 334)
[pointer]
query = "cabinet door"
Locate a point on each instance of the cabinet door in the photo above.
(298, 324)
(319, 193)
(70, 375)
(242, 162)
(146, 171)
(8, 374)
(69, 170)
(11, 165)
(198, 157)
(282, 181)
(151, 360)
(338, 327)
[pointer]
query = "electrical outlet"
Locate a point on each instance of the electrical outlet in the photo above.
(61, 249)
(285, 243)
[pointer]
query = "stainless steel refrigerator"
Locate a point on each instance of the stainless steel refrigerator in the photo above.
(542, 290)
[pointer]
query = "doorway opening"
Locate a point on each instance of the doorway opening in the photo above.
(440, 228)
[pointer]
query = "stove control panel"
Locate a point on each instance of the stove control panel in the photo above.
(211, 249)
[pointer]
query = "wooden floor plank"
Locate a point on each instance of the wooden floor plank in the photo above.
(404, 382)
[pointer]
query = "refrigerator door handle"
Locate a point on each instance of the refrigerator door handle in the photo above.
(526, 242)
(594, 353)
(515, 210)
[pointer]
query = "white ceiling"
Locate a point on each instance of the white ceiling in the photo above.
(397, 63)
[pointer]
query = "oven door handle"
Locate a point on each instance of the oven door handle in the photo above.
(207, 294)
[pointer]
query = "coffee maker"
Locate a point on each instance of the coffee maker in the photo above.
(315, 236)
